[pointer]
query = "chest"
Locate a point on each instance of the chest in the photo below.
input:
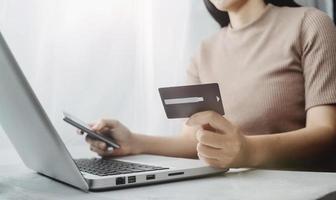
(259, 87)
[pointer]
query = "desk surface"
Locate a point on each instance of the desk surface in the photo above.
(18, 182)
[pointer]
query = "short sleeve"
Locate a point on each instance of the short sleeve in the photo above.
(192, 73)
(318, 40)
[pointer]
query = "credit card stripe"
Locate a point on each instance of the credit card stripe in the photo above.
(183, 100)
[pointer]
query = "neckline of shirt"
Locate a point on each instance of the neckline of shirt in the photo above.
(262, 16)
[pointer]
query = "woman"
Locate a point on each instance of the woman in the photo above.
(276, 67)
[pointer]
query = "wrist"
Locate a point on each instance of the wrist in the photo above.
(254, 156)
(137, 146)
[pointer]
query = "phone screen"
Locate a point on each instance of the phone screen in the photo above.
(85, 128)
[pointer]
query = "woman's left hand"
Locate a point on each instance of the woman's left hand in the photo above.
(221, 144)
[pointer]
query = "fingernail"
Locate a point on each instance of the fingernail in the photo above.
(94, 127)
(110, 149)
(199, 156)
(189, 122)
(198, 134)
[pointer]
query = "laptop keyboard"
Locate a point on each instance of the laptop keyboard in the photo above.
(108, 167)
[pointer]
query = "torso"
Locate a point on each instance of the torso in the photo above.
(259, 71)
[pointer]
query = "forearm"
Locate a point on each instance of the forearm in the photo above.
(177, 146)
(306, 143)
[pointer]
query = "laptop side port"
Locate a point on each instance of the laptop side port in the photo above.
(150, 177)
(176, 174)
(131, 179)
(120, 180)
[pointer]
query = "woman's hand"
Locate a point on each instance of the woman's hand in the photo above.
(220, 143)
(121, 135)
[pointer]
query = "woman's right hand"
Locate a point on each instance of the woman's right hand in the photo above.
(120, 134)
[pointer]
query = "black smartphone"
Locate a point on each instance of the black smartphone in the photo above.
(85, 128)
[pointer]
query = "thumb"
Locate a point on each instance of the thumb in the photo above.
(103, 123)
(211, 119)
(117, 152)
(209, 128)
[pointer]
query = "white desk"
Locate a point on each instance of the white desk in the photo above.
(18, 182)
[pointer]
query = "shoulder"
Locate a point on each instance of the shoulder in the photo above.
(307, 17)
(208, 48)
(212, 42)
(317, 29)
(306, 25)
(315, 20)
(300, 12)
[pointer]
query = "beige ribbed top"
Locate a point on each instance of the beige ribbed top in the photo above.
(272, 70)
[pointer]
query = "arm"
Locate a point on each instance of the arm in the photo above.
(318, 39)
(317, 138)
(183, 145)
(228, 147)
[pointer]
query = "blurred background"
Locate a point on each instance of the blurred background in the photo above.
(106, 58)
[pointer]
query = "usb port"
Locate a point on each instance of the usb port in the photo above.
(131, 179)
(150, 177)
(120, 181)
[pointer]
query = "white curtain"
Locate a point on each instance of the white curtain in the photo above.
(104, 58)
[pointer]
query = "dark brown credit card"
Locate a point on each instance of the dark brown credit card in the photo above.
(184, 101)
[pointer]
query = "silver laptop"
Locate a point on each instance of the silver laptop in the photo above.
(41, 149)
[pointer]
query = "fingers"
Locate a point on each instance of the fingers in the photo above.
(210, 161)
(100, 147)
(208, 152)
(214, 119)
(210, 148)
(96, 143)
(101, 152)
(79, 132)
(214, 162)
(209, 138)
(104, 130)
(110, 151)
(91, 125)
(105, 123)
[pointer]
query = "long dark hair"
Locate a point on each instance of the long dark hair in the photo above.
(223, 17)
